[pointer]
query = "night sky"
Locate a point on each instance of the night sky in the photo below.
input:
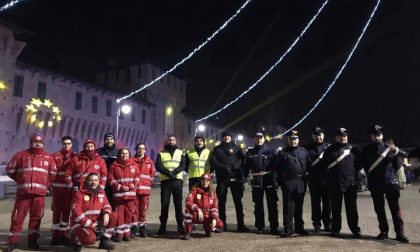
(380, 84)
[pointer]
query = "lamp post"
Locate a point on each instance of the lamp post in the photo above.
(200, 128)
(125, 109)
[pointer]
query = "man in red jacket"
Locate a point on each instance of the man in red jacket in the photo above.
(91, 212)
(86, 162)
(33, 170)
(147, 173)
(62, 194)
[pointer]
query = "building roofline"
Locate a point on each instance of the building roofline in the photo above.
(16, 29)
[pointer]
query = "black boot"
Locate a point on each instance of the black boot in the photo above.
(162, 230)
(142, 231)
(33, 245)
(105, 243)
(181, 229)
(133, 231)
(402, 238)
(241, 228)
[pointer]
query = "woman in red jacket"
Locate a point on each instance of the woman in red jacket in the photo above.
(201, 207)
(123, 176)
(147, 173)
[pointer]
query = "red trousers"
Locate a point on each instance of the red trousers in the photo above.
(61, 207)
(86, 236)
(34, 204)
(125, 210)
(191, 217)
(142, 205)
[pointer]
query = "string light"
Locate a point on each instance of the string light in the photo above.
(338, 74)
(271, 68)
(36, 105)
(9, 5)
(198, 48)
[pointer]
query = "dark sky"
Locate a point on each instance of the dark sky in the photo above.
(380, 84)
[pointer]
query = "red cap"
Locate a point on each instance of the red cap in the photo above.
(89, 141)
(206, 176)
(37, 137)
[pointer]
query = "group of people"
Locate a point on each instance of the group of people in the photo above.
(104, 193)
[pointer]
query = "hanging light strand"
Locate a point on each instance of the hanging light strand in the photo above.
(270, 69)
(198, 48)
(337, 75)
(9, 5)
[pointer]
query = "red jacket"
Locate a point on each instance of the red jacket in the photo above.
(87, 207)
(124, 174)
(201, 199)
(147, 173)
(32, 172)
(81, 166)
(62, 161)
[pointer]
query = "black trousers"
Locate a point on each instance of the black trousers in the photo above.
(168, 187)
(193, 181)
(272, 198)
(110, 195)
(392, 195)
(350, 202)
(292, 209)
(320, 205)
(237, 191)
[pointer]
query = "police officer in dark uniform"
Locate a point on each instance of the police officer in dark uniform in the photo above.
(293, 164)
(341, 163)
(259, 163)
(317, 185)
(226, 160)
(109, 153)
(381, 160)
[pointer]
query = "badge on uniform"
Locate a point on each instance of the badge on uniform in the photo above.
(96, 166)
(198, 196)
(101, 200)
(86, 198)
(211, 201)
(231, 151)
(45, 163)
(133, 170)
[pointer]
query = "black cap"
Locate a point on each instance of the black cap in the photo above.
(293, 133)
(317, 130)
(109, 134)
(376, 130)
(258, 134)
(199, 137)
(341, 132)
(226, 133)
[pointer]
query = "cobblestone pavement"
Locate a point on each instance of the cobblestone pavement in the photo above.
(232, 241)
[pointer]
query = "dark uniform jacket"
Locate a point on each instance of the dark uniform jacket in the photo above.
(385, 172)
(342, 175)
(108, 154)
(293, 164)
(261, 159)
(226, 160)
(316, 171)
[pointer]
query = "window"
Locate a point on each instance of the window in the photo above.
(42, 90)
(108, 108)
(18, 86)
(143, 116)
(133, 116)
(94, 104)
(78, 101)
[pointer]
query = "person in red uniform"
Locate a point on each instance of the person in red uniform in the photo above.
(88, 161)
(201, 207)
(123, 176)
(147, 173)
(90, 212)
(62, 194)
(33, 170)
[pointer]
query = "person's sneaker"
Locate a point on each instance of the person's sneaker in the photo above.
(260, 231)
(161, 231)
(382, 236)
(186, 236)
(11, 247)
(77, 247)
(327, 229)
(33, 245)
(142, 231)
(133, 231)
(286, 234)
(274, 231)
(106, 244)
(357, 235)
(402, 238)
(55, 241)
(126, 238)
(301, 231)
(242, 229)
(317, 229)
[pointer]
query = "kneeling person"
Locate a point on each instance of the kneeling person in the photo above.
(201, 207)
(90, 212)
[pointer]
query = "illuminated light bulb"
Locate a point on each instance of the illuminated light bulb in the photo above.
(56, 110)
(169, 111)
(47, 103)
(31, 108)
(37, 102)
(41, 124)
(50, 123)
(33, 118)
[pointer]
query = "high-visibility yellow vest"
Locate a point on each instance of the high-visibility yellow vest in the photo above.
(170, 163)
(198, 164)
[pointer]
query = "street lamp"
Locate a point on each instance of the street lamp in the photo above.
(125, 109)
(200, 128)
(240, 138)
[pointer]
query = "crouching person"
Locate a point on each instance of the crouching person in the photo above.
(201, 207)
(91, 212)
